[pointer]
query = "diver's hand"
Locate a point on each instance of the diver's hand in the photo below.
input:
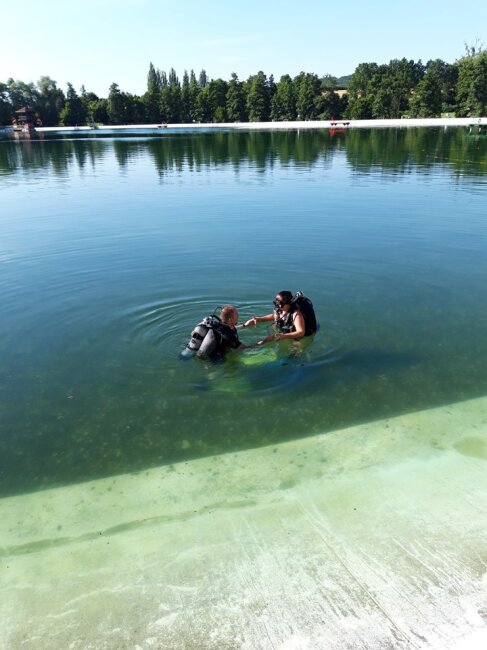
(252, 322)
(268, 339)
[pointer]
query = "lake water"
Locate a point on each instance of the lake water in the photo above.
(111, 250)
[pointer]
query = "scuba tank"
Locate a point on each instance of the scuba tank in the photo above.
(197, 336)
(203, 340)
(209, 344)
(305, 306)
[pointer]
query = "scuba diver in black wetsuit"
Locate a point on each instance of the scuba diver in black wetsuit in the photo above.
(213, 337)
(293, 317)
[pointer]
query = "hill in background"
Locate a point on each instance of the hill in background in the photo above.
(336, 83)
(342, 82)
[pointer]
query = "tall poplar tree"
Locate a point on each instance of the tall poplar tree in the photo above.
(194, 91)
(185, 99)
(153, 80)
(152, 97)
(203, 80)
(170, 102)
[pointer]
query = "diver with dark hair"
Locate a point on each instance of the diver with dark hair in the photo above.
(214, 336)
(293, 317)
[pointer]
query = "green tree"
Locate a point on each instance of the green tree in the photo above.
(447, 76)
(400, 79)
(235, 100)
(308, 89)
(217, 96)
(170, 102)
(22, 94)
(330, 106)
(203, 80)
(391, 90)
(185, 99)
(472, 85)
(153, 80)
(364, 81)
(89, 101)
(98, 111)
(203, 111)
(427, 100)
(383, 91)
(271, 84)
(135, 109)
(258, 100)
(50, 102)
(361, 109)
(384, 102)
(73, 112)
(116, 108)
(194, 91)
(173, 79)
(283, 103)
(6, 111)
(152, 97)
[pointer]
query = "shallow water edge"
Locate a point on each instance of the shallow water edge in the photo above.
(373, 534)
(309, 124)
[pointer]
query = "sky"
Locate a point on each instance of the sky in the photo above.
(97, 42)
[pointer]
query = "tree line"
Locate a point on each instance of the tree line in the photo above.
(397, 89)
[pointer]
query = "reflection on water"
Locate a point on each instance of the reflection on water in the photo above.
(391, 149)
(112, 250)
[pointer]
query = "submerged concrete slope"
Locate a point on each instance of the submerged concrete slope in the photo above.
(370, 537)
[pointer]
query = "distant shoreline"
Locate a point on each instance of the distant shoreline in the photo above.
(316, 124)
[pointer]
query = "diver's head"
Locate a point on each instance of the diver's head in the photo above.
(229, 315)
(283, 300)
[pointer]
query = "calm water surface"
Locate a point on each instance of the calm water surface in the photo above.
(112, 250)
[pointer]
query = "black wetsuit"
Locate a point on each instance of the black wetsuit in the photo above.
(229, 338)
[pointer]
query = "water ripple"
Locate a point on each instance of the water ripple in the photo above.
(168, 324)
